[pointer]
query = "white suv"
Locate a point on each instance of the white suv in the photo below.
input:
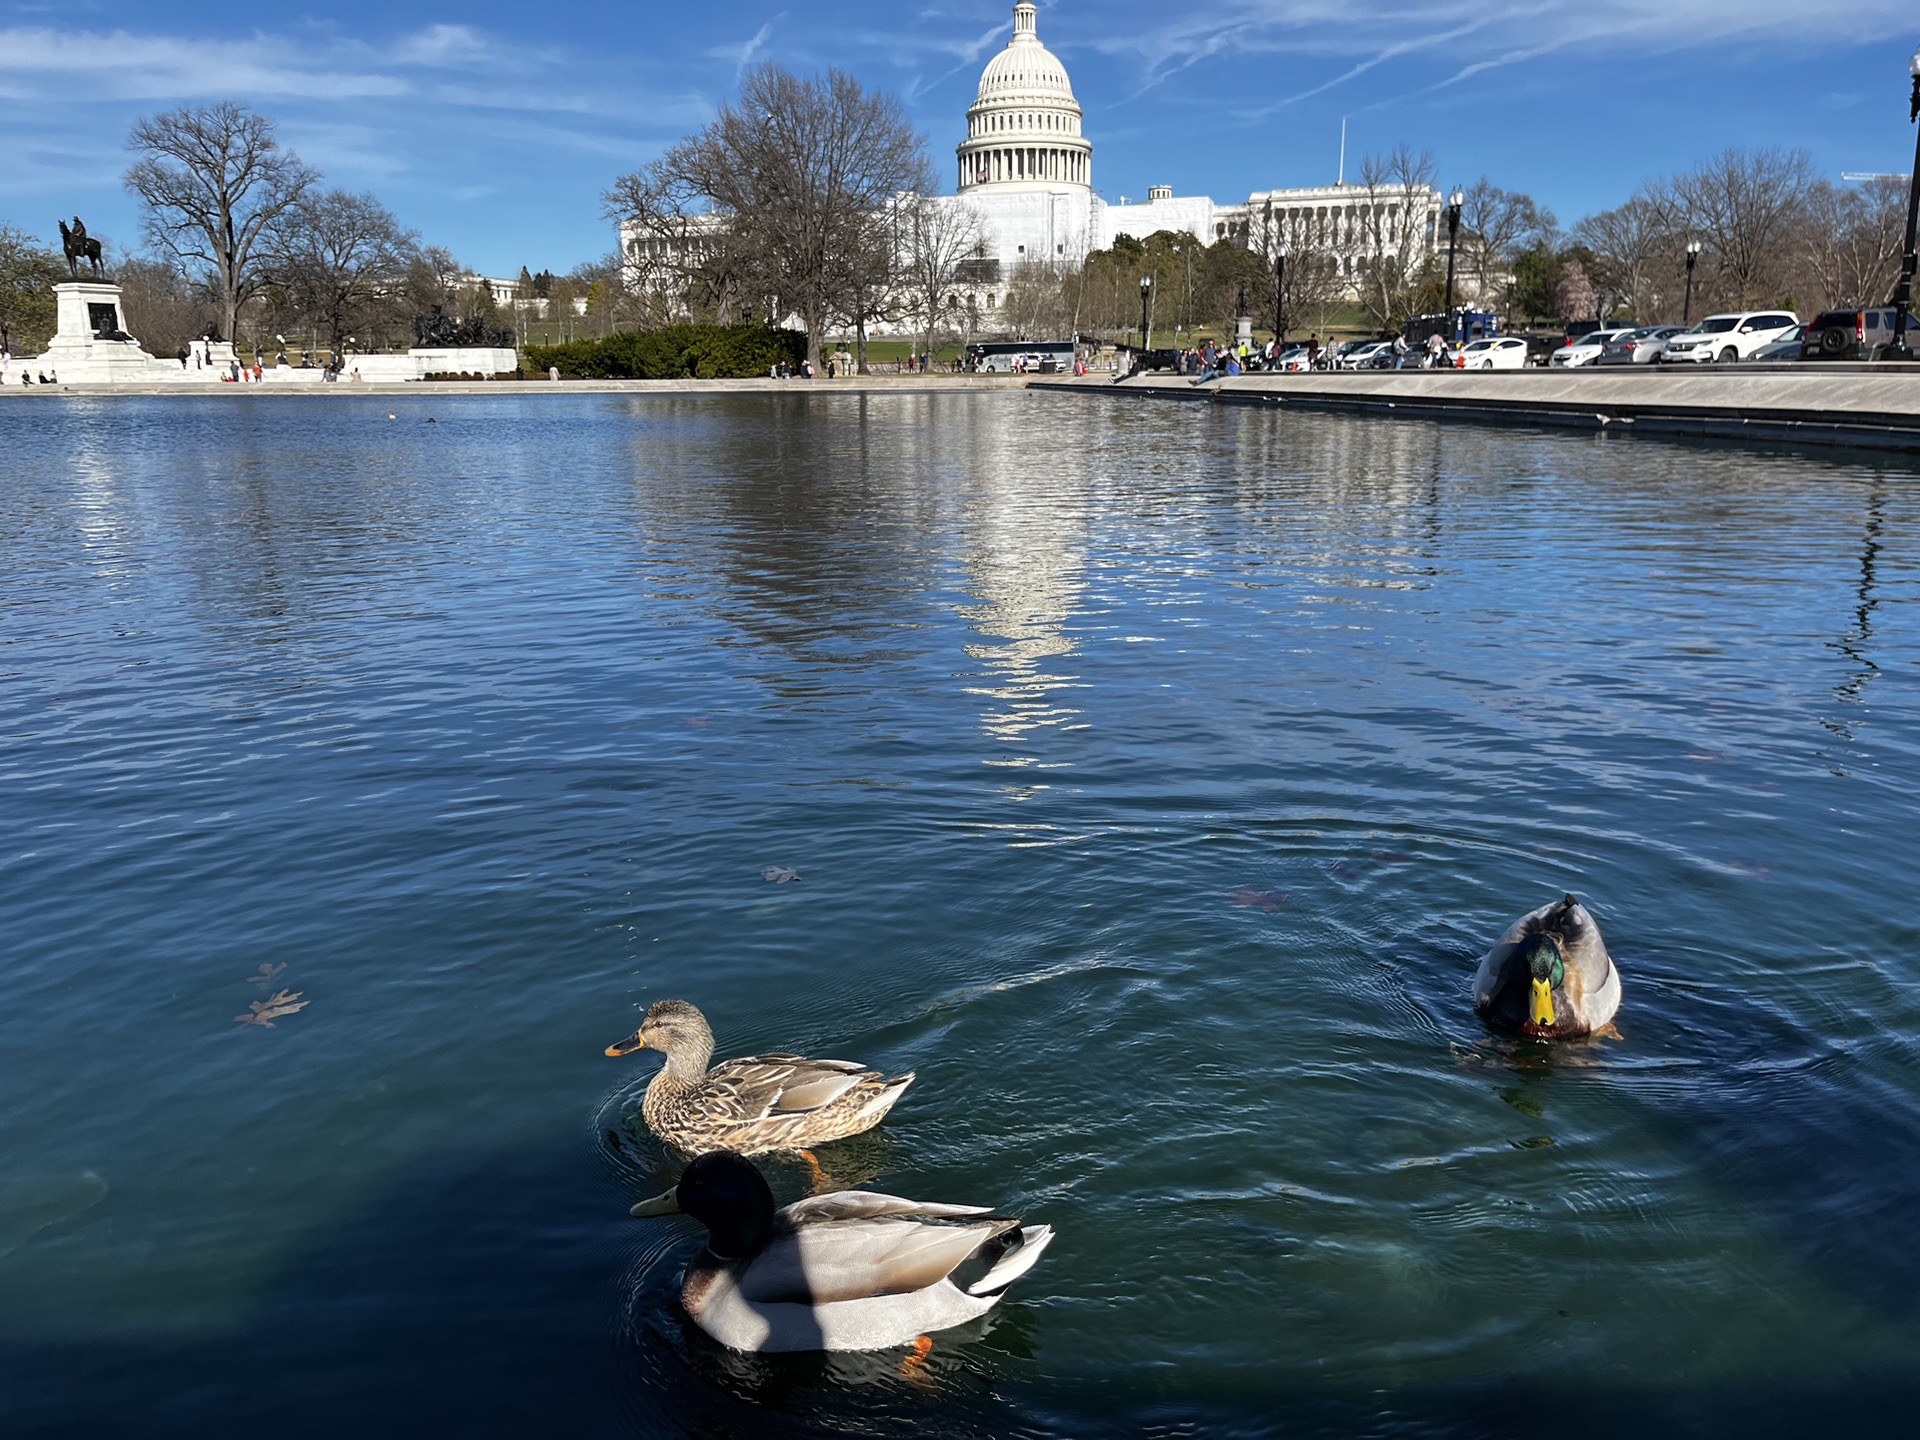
(1726, 338)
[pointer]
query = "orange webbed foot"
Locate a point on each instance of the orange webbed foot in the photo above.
(914, 1367)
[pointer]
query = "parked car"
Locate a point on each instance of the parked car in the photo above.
(1638, 347)
(1541, 348)
(1586, 349)
(1723, 339)
(1862, 333)
(1787, 347)
(1292, 359)
(1357, 357)
(1503, 352)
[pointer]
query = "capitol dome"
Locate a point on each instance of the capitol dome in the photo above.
(1023, 129)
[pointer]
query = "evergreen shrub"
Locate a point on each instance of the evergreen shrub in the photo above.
(677, 352)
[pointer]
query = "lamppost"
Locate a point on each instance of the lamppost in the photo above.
(1693, 254)
(1454, 202)
(1146, 288)
(1280, 294)
(1903, 297)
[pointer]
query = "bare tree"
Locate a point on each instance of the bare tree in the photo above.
(940, 239)
(1635, 249)
(1745, 206)
(342, 258)
(1853, 239)
(215, 182)
(1497, 226)
(778, 184)
(162, 306)
(1396, 232)
(1313, 289)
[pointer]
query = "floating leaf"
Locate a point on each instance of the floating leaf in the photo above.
(269, 974)
(1389, 857)
(1268, 900)
(274, 1007)
(780, 874)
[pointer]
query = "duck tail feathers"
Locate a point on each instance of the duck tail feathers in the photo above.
(883, 1098)
(1017, 1259)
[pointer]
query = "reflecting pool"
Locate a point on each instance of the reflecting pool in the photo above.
(1155, 776)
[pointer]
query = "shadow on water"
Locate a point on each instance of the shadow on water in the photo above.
(511, 1296)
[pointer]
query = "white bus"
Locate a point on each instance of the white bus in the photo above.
(1002, 357)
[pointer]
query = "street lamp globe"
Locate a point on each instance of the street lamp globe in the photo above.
(1458, 198)
(1693, 247)
(1913, 64)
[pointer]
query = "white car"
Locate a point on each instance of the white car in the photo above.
(1502, 352)
(1359, 355)
(1292, 360)
(1586, 349)
(1723, 339)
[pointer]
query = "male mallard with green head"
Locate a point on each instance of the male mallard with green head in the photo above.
(853, 1270)
(1550, 977)
(754, 1104)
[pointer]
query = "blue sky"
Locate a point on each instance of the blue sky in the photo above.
(493, 128)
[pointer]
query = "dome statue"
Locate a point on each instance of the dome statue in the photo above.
(1023, 129)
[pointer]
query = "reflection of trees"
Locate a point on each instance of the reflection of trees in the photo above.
(809, 513)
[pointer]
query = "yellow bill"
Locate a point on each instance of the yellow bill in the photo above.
(1540, 1006)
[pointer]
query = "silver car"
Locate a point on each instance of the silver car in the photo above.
(1644, 346)
(1585, 350)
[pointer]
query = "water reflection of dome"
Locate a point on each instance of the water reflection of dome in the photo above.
(1024, 566)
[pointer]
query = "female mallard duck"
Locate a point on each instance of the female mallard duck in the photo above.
(761, 1102)
(1550, 977)
(848, 1271)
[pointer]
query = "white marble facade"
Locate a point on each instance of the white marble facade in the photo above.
(1025, 170)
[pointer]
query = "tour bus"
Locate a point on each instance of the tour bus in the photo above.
(1039, 356)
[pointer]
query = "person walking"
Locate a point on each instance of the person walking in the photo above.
(1435, 347)
(1399, 352)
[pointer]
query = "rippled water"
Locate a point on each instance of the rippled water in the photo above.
(1155, 776)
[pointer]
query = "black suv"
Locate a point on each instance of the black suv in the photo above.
(1858, 334)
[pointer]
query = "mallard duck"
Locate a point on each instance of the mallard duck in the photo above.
(755, 1104)
(848, 1271)
(1550, 976)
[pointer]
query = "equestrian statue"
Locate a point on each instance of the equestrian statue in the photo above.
(81, 246)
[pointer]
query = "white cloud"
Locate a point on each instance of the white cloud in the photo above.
(741, 55)
(1476, 39)
(40, 64)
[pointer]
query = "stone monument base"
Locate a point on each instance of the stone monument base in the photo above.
(87, 312)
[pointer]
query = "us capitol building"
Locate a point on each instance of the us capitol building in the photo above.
(1026, 171)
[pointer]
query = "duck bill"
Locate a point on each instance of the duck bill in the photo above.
(667, 1204)
(1539, 1006)
(635, 1041)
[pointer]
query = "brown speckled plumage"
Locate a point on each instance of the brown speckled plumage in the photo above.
(754, 1104)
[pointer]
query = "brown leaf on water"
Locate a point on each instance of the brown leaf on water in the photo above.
(274, 1007)
(269, 975)
(1251, 898)
(1389, 857)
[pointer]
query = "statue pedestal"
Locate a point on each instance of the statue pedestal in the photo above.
(77, 355)
(1243, 334)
